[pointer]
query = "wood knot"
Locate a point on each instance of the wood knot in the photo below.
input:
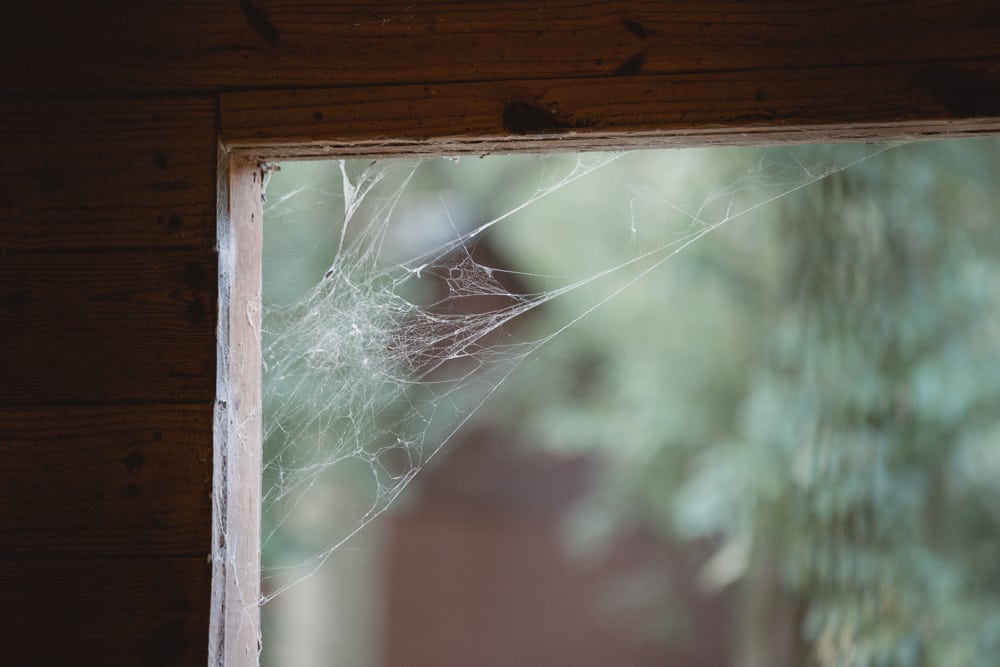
(520, 117)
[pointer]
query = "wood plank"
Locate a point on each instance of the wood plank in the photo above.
(149, 612)
(105, 481)
(192, 45)
(110, 173)
(877, 103)
(96, 327)
(235, 623)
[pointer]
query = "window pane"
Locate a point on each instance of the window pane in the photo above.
(705, 407)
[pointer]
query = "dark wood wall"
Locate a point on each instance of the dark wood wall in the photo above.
(107, 353)
(110, 120)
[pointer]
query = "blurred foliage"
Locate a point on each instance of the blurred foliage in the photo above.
(816, 392)
(813, 389)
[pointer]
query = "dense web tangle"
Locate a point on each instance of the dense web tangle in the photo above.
(409, 326)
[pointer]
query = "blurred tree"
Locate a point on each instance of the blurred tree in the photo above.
(825, 411)
(812, 391)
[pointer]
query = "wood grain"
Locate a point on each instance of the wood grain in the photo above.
(875, 103)
(105, 481)
(97, 327)
(235, 624)
(108, 612)
(190, 45)
(110, 173)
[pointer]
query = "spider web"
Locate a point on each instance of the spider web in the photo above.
(405, 321)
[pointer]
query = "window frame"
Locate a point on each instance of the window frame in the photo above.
(259, 127)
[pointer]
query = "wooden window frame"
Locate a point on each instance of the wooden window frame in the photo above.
(878, 102)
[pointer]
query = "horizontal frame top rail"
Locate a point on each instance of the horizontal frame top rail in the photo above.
(891, 102)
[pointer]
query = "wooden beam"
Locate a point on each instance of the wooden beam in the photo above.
(829, 104)
(192, 45)
(234, 634)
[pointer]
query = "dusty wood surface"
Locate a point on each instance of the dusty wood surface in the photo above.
(913, 101)
(235, 627)
(107, 612)
(190, 45)
(107, 174)
(105, 481)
